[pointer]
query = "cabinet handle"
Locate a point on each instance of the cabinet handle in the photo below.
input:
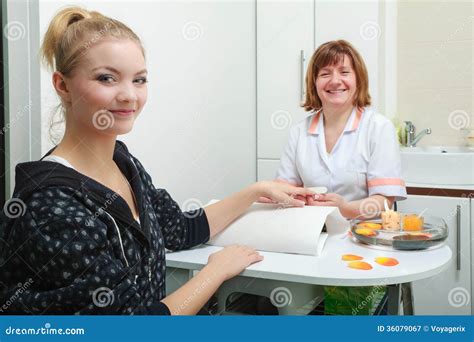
(458, 233)
(302, 60)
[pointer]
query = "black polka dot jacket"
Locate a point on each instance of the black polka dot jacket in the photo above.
(69, 245)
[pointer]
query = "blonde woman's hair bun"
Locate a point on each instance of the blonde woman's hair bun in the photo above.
(57, 27)
(73, 30)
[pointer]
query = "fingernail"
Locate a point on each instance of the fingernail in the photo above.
(316, 196)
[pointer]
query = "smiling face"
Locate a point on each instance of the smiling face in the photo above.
(336, 84)
(107, 90)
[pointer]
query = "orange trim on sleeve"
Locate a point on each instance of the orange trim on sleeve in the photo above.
(385, 181)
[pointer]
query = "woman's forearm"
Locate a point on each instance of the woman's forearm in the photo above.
(192, 296)
(222, 213)
(366, 207)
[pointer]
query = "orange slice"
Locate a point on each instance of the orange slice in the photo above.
(386, 261)
(360, 265)
(365, 231)
(370, 225)
(351, 257)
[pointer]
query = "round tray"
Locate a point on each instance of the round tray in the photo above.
(434, 232)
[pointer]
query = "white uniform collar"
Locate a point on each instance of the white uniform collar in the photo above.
(316, 125)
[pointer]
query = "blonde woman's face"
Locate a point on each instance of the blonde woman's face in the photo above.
(336, 84)
(108, 87)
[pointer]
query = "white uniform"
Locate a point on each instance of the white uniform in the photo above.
(365, 160)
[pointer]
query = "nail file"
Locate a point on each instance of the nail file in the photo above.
(319, 189)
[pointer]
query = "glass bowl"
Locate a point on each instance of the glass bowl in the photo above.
(432, 232)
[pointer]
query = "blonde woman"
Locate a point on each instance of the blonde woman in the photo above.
(93, 236)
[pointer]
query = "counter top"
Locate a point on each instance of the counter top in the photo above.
(467, 187)
(329, 269)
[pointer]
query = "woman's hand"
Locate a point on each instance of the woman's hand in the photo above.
(365, 207)
(282, 192)
(232, 260)
(221, 266)
(221, 214)
(328, 200)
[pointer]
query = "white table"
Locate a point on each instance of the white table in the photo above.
(299, 273)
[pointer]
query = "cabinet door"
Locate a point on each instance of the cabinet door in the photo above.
(284, 30)
(449, 292)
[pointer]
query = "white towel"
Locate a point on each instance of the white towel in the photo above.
(270, 227)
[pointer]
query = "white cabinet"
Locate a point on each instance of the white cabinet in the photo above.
(448, 293)
(285, 35)
(267, 168)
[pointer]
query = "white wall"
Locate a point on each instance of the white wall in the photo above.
(435, 65)
(197, 134)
